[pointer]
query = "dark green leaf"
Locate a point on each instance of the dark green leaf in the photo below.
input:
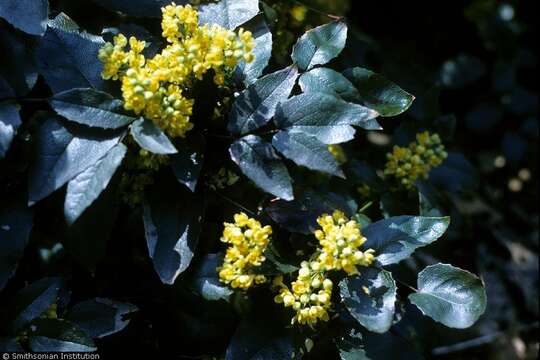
(260, 341)
(378, 93)
(370, 298)
(300, 215)
(91, 107)
(328, 81)
(5, 89)
(10, 121)
(206, 279)
(188, 162)
(396, 238)
(350, 345)
(68, 58)
(19, 68)
(151, 137)
(172, 223)
(256, 105)
(275, 264)
(461, 71)
(33, 300)
(15, 225)
(449, 295)
(427, 200)
(249, 72)
(320, 45)
(88, 236)
(141, 8)
(100, 317)
(62, 154)
(228, 13)
(29, 16)
(59, 336)
(260, 163)
(324, 116)
(12, 344)
(84, 188)
(389, 346)
(364, 173)
(456, 174)
(306, 150)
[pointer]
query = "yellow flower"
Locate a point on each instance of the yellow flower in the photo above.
(156, 87)
(248, 240)
(340, 240)
(310, 296)
(408, 164)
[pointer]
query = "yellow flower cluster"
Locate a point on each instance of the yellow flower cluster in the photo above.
(248, 240)
(156, 87)
(408, 164)
(339, 239)
(310, 296)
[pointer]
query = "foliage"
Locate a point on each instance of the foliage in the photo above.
(125, 149)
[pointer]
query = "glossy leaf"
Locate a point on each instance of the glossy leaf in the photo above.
(83, 189)
(328, 81)
(228, 13)
(260, 163)
(100, 317)
(15, 225)
(249, 72)
(320, 45)
(59, 336)
(29, 16)
(187, 163)
(396, 238)
(10, 121)
(206, 279)
(256, 105)
(300, 215)
(172, 218)
(62, 154)
(324, 116)
(151, 137)
(452, 296)
(68, 58)
(379, 93)
(370, 298)
(306, 150)
(33, 300)
(91, 107)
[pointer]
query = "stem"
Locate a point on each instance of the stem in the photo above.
(479, 341)
(365, 207)
(407, 285)
(335, 17)
(240, 206)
